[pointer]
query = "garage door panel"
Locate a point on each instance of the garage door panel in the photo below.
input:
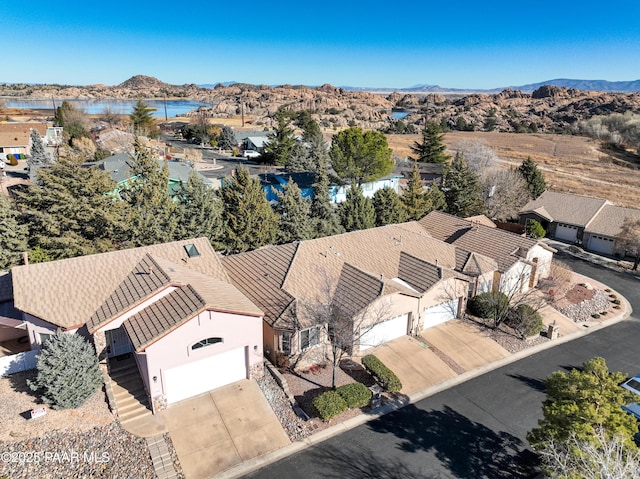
(566, 232)
(601, 244)
(440, 313)
(204, 375)
(384, 331)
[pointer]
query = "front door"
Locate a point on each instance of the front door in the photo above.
(118, 342)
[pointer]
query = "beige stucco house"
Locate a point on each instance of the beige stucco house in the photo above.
(171, 306)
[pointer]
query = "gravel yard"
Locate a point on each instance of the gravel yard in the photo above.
(79, 443)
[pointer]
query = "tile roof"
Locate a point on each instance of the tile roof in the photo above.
(17, 134)
(68, 292)
(610, 220)
(260, 275)
(163, 316)
(483, 220)
(566, 208)
(418, 273)
(473, 263)
(494, 243)
(145, 279)
(355, 290)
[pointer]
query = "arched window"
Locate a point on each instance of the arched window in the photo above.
(203, 343)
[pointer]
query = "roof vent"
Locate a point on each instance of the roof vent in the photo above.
(150, 270)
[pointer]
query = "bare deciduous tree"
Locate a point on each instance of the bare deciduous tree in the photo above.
(481, 159)
(343, 323)
(601, 457)
(505, 193)
(629, 239)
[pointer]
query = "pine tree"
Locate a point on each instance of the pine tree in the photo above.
(281, 142)
(389, 207)
(580, 401)
(299, 161)
(323, 214)
(533, 176)
(73, 211)
(436, 198)
(38, 156)
(293, 210)
(432, 148)
(310, 128)
(318, 154)
(357, 212)
(67, 371)
(13, 235)
(462, 189)
(198, 211)
(152, 209)
(227, 139)
(142, 121)
(414, 196)
(248, 219)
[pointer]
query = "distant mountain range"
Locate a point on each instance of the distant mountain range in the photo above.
(594, 85)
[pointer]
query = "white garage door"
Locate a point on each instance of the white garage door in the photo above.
(440, 313)
(600, 244)
(384, 331)
(566, 232)
(204, 375)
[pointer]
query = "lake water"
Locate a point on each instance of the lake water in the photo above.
(92, 107)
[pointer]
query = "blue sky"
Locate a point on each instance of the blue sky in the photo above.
(369, 44)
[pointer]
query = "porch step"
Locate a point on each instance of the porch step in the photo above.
(128, 390)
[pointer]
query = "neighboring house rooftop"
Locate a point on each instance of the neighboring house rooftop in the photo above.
(258, 141)
(303, 180)
(500, 245)
(18, 134)
(70, 291)
(610, 219)
(400, 258)
(483, 220)
(243, 135)
(565, 208)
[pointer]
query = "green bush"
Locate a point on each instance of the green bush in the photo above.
(383, 374)
(595, 316)
(525, 320)
(329, 405)
(535, 230)
(617, 306)
(616, 301)
(356, 395)
(490, 305)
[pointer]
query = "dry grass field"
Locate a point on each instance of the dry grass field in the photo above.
(571, 164)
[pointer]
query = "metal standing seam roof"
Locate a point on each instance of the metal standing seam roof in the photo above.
(494, 243)
(68, 292)
(610, 220)
(566, 208)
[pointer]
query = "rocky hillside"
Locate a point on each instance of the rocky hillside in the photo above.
(547, 109)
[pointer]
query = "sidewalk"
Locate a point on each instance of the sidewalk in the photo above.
(473, 354)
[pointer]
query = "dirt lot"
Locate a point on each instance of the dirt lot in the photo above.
(572, 164)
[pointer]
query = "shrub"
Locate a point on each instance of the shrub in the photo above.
(383, 374)
(536, 230)
(595, 316)
(525, 320)
(607, 290)
(616, 301)
(356, 395)
(329, 405)
(68, 372)
(492, 305)
(616, 306)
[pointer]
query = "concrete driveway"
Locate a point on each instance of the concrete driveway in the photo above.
(219, 429)
(417, 366)
(465, 343)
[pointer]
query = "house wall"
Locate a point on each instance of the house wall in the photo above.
(543, 267)
(174, 349)
(35, 327)
(270, 342)
(516, 279)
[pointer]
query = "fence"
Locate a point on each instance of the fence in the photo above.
(18, 362)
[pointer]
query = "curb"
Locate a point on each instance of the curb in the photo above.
(257, 463)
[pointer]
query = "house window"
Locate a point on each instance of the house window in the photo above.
(44, 337)
(191, 250)
(286, 343)
(206, 342)
(470, 291)
(484, 287)
(309, 337)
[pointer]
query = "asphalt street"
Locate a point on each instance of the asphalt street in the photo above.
(476, 429)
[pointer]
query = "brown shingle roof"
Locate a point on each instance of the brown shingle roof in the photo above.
(610, 220)
(259, 275)
(566, 208)
(68, 292)
(163, 316)
(497, 244)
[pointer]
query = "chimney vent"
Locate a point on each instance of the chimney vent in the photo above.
(25, 257)
(150, 271)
